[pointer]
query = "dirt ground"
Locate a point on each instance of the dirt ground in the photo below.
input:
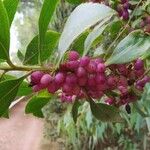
(20, 132)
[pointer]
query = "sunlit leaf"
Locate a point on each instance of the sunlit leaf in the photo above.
(80, 20)
(97, 31)
(130, 48)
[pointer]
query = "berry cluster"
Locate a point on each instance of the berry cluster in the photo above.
(85, 76)
(126, 79)
(122, 9)
(74, 77)
(145, 23)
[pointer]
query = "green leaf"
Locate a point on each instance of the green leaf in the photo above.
(8, 92)
(20, 56)
(97, 31)
(35, 106)
(78, 44)
(75, 1)
(4, 33)
(46, 14)
(24, 89)
(105, 112)
(51, 40)
(6, 114)
(130, 48)
(11, 8)
(83, 17)
(140, 109)
(75, 108)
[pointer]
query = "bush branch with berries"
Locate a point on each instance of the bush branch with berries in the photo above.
(102, 57)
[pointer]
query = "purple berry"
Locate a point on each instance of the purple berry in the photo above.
(146, 79)
(91, 68)
(98, 60)
(142, 24)
(139, 64)
(100, 78)
(122, 70)
(46, 79)
(120, 10)
(122, 81)
(140, 83)
(101, 68)
(72, 65)
(91, 80)
(126, 5)
(73, 55)
(125, 15)
(52, 87)
(102, 87)
(84, 61)
(81, 72)
(112, 82)
(36, 77)
(82, 81)
(76, 90)
(59, 77)
(37, 88)
(139, 73)
(109, 101)
(123, 90)
(65, 98)
(66, 88)
(71, 79)
(148, 20)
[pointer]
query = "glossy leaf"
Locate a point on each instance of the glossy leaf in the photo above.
(11, 8)
(4, 33)
(32, 53)
(105, 112)
(35, 106)
(80, 20)
(97, 31)
(130, 48)
(46, 15)
(75, 108)
(8, 92)
(24, 88)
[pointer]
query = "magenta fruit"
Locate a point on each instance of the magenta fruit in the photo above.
(73, 55)
(46, 79)
(36, 77)
(84, 61)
